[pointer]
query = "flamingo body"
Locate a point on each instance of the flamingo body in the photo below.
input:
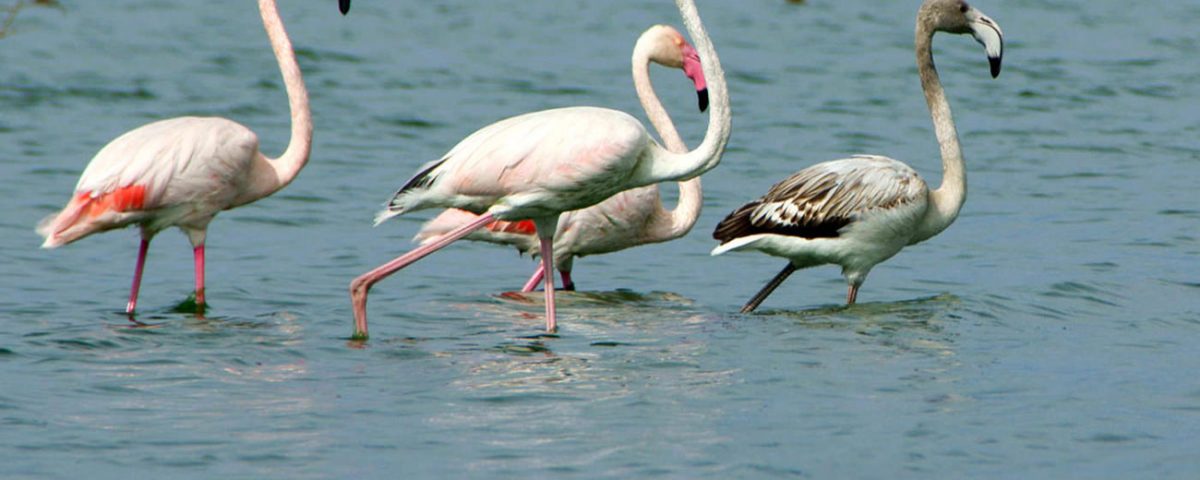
(174, 172)
(624, 220)
(568, 158)
(854, 212)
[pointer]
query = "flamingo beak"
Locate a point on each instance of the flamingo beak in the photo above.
(694, 71)
(988, 34)
(344, 6)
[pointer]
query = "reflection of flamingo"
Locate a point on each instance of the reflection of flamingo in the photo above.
(537, 165)
(183, 171)
(627, 219)
(859, 211)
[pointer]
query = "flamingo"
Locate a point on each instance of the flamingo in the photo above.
(182, 171)
(538, 165)
(859, 211)
(628, 219)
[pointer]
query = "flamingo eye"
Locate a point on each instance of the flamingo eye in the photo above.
(964, 7)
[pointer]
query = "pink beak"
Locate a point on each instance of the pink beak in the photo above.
(694, 71)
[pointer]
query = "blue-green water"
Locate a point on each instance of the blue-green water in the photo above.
(1050, 333)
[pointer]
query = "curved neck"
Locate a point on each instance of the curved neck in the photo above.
(664, 165)
(945, 201)
(665, 224)
(288, 165)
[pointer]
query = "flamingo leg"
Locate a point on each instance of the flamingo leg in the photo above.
(137, 275)
(545, 232)
(768, 288)
(566, 278)
(852, 295)
(198, 259)
(361, 285)
(535, 279)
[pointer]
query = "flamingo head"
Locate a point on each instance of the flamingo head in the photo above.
(668, 47)
(957, 16)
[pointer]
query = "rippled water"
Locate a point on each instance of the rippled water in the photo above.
(1049, 333)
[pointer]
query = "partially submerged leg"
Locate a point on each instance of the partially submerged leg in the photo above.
(770, 287)
(198, 259)
(137, 274)
(545, 232)
(852, 295)
(535, 279)
(566, 278)
(361, 285)
(197, 236)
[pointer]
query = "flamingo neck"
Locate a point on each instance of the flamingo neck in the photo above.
(274, 174)
(665, 224)
(669, 225)
(945, 201)
(665, 165)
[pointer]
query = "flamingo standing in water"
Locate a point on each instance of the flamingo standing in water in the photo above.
(859, 211)
(627, 219)
(538, 165)
(182, 171)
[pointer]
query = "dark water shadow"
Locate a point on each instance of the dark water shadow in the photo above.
(918, 324)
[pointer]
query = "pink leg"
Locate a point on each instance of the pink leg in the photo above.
(137, 275)
(198, 256)
(535, 279)
(361, 285)
(548, 266)
(566, 278)
(852, 295)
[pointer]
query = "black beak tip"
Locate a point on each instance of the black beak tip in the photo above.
(703, 96)
(994, 62)
(344, 6)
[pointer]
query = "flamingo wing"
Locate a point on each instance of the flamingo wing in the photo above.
(819, 201)
(569, 154)
(195, 161)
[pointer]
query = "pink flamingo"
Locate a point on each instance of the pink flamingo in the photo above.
(627, 219)
(859, 211)
(538, 165)
(182, 171)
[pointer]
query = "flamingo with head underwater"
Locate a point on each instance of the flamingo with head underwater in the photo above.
(859, 211)
(182, 171)
(628, 219)
(538, 165)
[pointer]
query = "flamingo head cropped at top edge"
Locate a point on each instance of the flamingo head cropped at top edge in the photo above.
(957, 16)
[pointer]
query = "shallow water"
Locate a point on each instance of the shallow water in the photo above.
(1049, 333)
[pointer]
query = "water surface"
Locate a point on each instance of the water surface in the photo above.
(1049, 333)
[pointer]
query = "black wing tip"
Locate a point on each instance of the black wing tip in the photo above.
(344, 6)
(994, 62)
(702, 95)
(734, 225)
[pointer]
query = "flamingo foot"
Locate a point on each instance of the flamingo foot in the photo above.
(192, 304)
